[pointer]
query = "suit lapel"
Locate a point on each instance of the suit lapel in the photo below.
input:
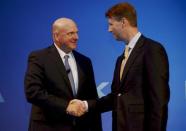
(79, 70)
(54, 56)
(132, 57)
(117, 73)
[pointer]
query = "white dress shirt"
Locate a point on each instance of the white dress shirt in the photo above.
(133, 42)
(72, 63)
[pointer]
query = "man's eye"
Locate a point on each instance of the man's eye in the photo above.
(70, 33)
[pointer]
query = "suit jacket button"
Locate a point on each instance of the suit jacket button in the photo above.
(119, 94)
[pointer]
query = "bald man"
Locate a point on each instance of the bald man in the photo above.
(55, 76)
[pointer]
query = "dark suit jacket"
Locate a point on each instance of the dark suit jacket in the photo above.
(140, 100)
(48, 89)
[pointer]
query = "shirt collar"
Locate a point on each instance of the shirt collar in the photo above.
(133, 41)
(62, 53)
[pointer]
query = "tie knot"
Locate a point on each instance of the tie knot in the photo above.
(66, 57)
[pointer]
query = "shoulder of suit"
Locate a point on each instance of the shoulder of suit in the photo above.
(80, 55)
(150, 43)
(152, 46)
(43, 50)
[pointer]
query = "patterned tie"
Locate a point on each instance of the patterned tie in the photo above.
(126, 55)
(70, 76)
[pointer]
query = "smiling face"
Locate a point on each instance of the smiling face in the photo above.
(65, 34)
(68, 37)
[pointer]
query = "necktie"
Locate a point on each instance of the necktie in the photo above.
(126, 55)
(70, 76)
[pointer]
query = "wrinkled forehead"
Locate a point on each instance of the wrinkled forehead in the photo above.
(113, 19)
(65, 26)
(71, 27)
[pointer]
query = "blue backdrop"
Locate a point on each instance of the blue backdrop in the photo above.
(25, 25)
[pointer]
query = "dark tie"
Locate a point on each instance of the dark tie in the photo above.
(70, 76)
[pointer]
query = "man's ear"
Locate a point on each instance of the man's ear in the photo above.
(123, 21)
(55, 36)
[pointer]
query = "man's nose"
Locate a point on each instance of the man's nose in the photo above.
(109, 29)
(76, 36)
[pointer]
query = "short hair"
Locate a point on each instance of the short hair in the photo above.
(123, 10)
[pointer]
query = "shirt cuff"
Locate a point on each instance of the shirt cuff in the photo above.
(86, 105)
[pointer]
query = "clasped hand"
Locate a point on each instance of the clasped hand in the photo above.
(76, 108)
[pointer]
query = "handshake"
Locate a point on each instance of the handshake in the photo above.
(77, 108)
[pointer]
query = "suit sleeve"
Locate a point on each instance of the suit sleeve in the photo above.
(93, 95)
(93, 99)
(106, 103)
(35, 90)
(157, 89)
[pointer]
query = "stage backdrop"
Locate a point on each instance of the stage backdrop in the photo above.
(25, 25)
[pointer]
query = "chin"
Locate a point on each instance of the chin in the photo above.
(74, 47)
(117, 39)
